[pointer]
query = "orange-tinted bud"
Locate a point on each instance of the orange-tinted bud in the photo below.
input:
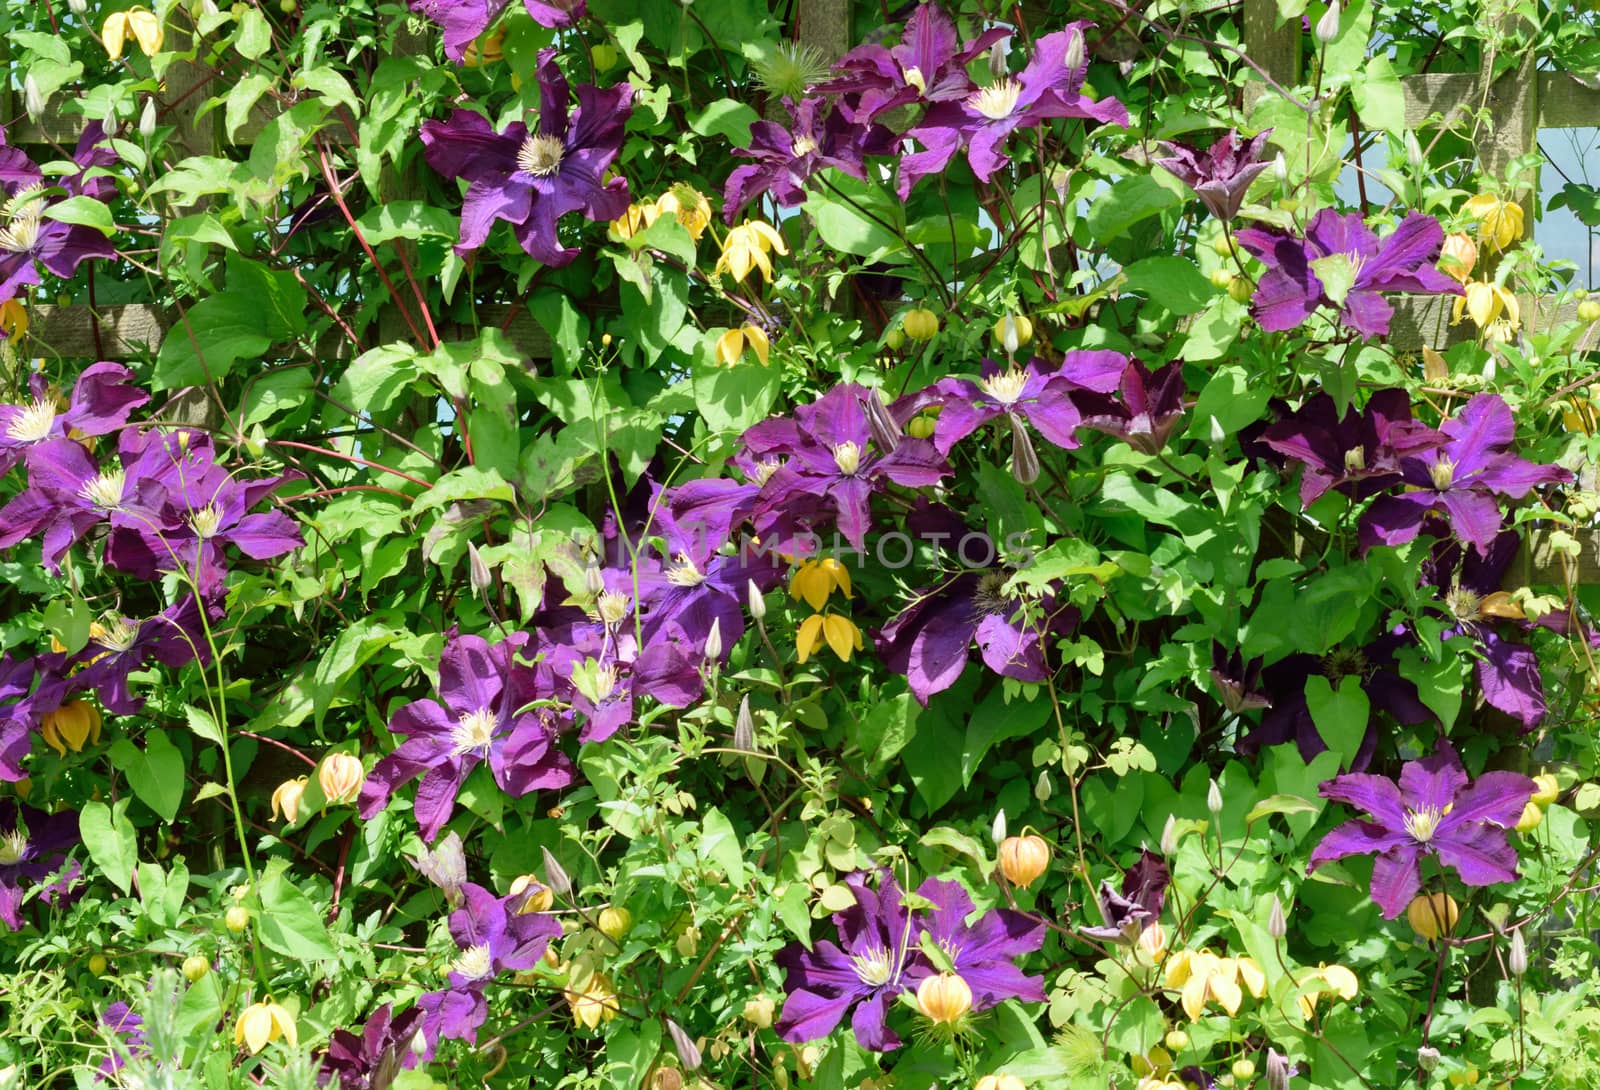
(341, 777)
(1433, 914)
(1023, 859)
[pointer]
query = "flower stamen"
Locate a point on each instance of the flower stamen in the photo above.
(540, 155)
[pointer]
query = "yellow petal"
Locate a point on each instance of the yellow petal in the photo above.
(838, 574)
(1178, 966)
(1308, 1005)
(1513, 308)
(811, 582)
(1252, 976)
(842, 635)
(730, 346)
(1480, 206)
(1194, 997)
(147, 29)
(805, 640)
(1482, 303)
(255, 1028)
(283, 1022)
(769, 236)
(758, 341)
(1341, 981)
(14, 321)
(113, 33)
(1226, 992)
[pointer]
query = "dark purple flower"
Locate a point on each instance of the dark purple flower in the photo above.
(451, 1014)
(1146, 409)
(1138, 905)
(371, 1060)
(1050, 86)
(68, 495)
(119, 1020)
(829, 457)
(1238, 682)
(865, 972)
(101, 402)
(464, 21)
(1432, 810)
(928, 65)
(1508, 670)
(476, 718)
(1034, 393)
(496, 936)
(532, 179)
(1341, 262)
(1359, 453)
(982, 953)
(785, 159)
(33, 855)
(120, 645)
(27, 235)
(1219, 175)
(1460, 480)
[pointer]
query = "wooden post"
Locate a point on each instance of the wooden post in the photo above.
(825, 26)
(1275, 48)
(1514, 117)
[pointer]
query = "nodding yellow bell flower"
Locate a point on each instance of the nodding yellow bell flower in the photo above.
(72, 726)
(486, 49)
(730, 346)
(1500, 222)
(14, 320)
(262, 1023)
(840, 633)
(689, 205)
(592, 998)
(746, 248)
(141, 23)
(637, 218)
(1484, 303)
(1548, 789)
(1335, 980)
(1458, 257)
(1203, 977)
(341, 777)
(944, 998)
(814, 580)
(287, 799)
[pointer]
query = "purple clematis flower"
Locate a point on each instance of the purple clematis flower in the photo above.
(118, 1020)
(785, 159)
(1508, 671)
(481, 690)
(1050, 86)
(1219, 175)
(1238, 682)
(27, 236)
(371, 1059)
(496, 936)
(1432, 810)
(101, 402)
(1138, 905)
(1031, 393)
(119, 645)
(1359, 453)
(1460, 480)
(928, 65)
(464, 21)
(451, 1014)
(866, 972)
(1341, 262)
(532, 179)
(982, 952)
(1146, 412)
(829, 457)
(33, 853)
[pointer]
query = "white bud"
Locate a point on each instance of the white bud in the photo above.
(33, 99)
(1413, 150)
(1517, 960)
(78, 7)
(147, 117)
(594, 581)
(1043, 788)
(555, 875)
(1024, 459)
(1075, 57)
(714, 640)
(758, 601)
(998, 68)
(744, 727)
(1169, 836)
(1327, 28)
(477, 570)
(1214, 799)
(1427, 1057)
(998, 829)
(1217, 434)
(1280, 169)
(1277, 925)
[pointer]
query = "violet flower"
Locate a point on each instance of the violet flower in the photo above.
(1238, 682)
(1432, 810)
(861, 976)
(496, 937)
(119, 645)
(785, 159)
(371, 1060)
(120, 1021)
(27, 236)
(1031, 393)
(1138, 905)
(1222, 173)
(982, 953)
(532, 179)
(1358, 453)
(1342, 263)
(1050, 86)
(101, 402)
(1145, 411)
(464, 21)
(481, 690)
(928, 65)
(33, 854)
(1460, 480)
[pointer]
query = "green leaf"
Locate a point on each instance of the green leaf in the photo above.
(242, 99)
(1172, 282)
(68, 619)
(255, 34)
(1214, 331)
(1338, 275)
(1380, 101)
(1232, 399)
(1280, 804)
(733, 398)
(719, 844)
(728, 118)
(1439, 684)
(211, 337)
(354, 647)
(108, 836)
(1341, 715)
(331, 85)
(889, 727)
(376, 377)
(289, 922)
(155, 773)
(85, 211)
(406, 219)
(276, 392)
(470, 483)
(1131, 200)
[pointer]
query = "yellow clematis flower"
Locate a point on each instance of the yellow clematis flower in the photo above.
(637, 218)
(592, 998)
(1458, 257)
(263, 1023)
(1500, 222)
(730, 346)
(815, 580)
(1484, 303)
(14, 320)
(840, 633)
(485, 50)
(689, 205)
(746, 248)
(1204, 977)
(286, 798)
(1335, 979)
(141, 23)
(72, 726)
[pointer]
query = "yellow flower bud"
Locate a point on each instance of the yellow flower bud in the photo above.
(97, 964)
(1531, 817)
(1177, 1040)
(195, 966)
(237, 919)
(263, 1023)
(943, 998)
(1222, 278)
(287, 799)
(341, 777)
(593, 999)
(999, 1082)
(1547, 789)
(538, 897)
(615, 922)
(485, 50)
(1243, 1070)
(1458, 256)
(922, 426)
(896, 337)
(920, 324)
(72, 726)
(759, 1011)
(1023, 859)
(1433, 914)
(1012, 332)
(1241, 290)
(1589, 310)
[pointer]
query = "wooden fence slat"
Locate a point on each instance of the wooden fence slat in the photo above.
(1564, 101)
(1424, 320)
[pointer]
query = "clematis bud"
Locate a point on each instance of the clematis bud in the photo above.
(1012, 332)
(1547, 789)
(759, 1011)
(885, 432)
(195, 966)
(1517, 959)
(920, 324)
(594, 580)
(758, 601)
(477, 570)
(1169, 835)
(667, 1078)
(78, 7)
(1023, 859)
(998, 829)
(536, 896)
(688, 1052)
(714, 641)
(1024, 459)
(1427, 1058)
(1280, 169)
(614, 922)
(287, 799)
(341, 778)
(999, 68)
(1432, 915)
(556, 875)
(1277, 1070)
(744, 727)
(33, 100)
(943, 998)
(1532, 817)
(147, 118)
(1458, 255)
(1277, 925)
(999, 1082)
(1589, 310)
(1327, 29)
(1413, 151)
(1076, 56)
(1214, 799)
